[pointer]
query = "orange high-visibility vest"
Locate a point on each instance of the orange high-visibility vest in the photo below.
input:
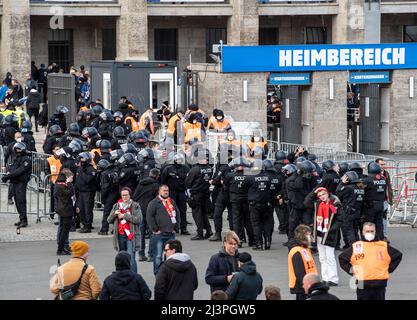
(142, 123)
(251, 145)
(55, 167)
(234, 142)
(172, 124)
(93, 151)
(217, 125)
(192, 131)
(370, 260)
(133, 122)
(308, 260)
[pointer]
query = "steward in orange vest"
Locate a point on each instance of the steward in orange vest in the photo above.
(175, 127)
(193, 131)
(258, 141)
(300, 261)
(132, 122)
(53, 168)
(218, 123)
(370, 261)
(146, 122)
(202, 116)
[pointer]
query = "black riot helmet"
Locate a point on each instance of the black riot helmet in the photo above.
(89, 132)
(128, 148)
(74, 129)
(84, 157)
(55, 129)
(61, 110)
(280, 155)
(352, 176)
(312, 157)
(102, 165)
(119, 132)
(328, 165)
(19, 147)
(106, 116)
(268, 165)
(126, 159)
(374, 168)
(104, 145)
(307, 167)
(97, 109)
(145, 154)
(343, 168)
(76, 145)
(356, 166)
(289, 169)
(116, 155)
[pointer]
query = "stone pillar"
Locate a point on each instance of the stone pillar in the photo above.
(132, 30)
(327, 117)
(243, 25)
(348, 26)
(15, 39)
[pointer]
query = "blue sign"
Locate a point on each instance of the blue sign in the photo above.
(289, 78)
(319, 57)
(370, 77)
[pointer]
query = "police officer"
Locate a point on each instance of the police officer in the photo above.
(198, 182)
(371, 261)
(356, 166)
(109, 188)
(18, 173)
(351, 194)
(281, 208)
(128, 171)
(72, 133)
(298, 188)
(375, 190)
(27, 135)
(331, 178)
(58, 118)
(236, 184)
(118, 121)
(95, 117)
(118, 138)
(260, 206)
(55, 135)
(92, 136)
(313, 158)
(174, 175)
(81, 119)
(9, 129)
(146, 162)
(289, 172)
(105, 149)
(343, 168)
(222, 199)
(86, 186)
(106, 124)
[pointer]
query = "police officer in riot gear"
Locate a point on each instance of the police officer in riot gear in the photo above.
(118, 121)
(236, 184)
(55, 135)
(375, 190)
(109, 188)
(146, 162)
(356, 166)
(118, 138)
(313, 158)
(18, 173)
(106, 124)
(343, 168)
(298, 189)
(27, 135)
(351, 193)
(73, 132)
(281, 208)
(198, 182)
(174, 175)
(105, 149)
(81, 119)
(92, 136)
(260, 206)
(58, 118)
(331, 177)
(129, 148)
(9, 128)
(288, 171)
(128, 171)
(86, 186)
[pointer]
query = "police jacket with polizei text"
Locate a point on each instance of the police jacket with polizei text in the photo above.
(86, 179)
(236, 183)
(330, 181)
(219, 177)
(198, 178)
(259, 188)
(66, 139)
(117, 142)
(276, 183)
(108, 182)
(351, 196)
(345, 264)
(375, 190)
(174, 176)
(20, 170)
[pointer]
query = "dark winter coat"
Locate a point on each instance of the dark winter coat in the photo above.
(34, 99)
(176, 279)
(298, 189)
(123, 284)
(330, 181)
(63, 193)
(320, 291)
(145, 192)
(220, 266)
(245, 285)
(86, 179)
(20, 170)
(158, 218)
(29, 140)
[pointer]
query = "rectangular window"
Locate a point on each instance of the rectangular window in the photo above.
(109, 44)
(315, 35)
(410, 34)
(268, 36)
(166, 47)
(61, 48)
(213, 36)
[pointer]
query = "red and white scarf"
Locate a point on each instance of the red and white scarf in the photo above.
(124, 226)
(323, 214)
(169, 207)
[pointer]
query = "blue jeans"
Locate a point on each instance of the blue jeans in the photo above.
(126, 245)
(143, 227)
(58, 232)
(158, 243)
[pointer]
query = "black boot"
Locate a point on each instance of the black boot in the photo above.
(258, 247)
(208, 234)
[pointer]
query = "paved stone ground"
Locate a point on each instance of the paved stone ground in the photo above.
(25, 261)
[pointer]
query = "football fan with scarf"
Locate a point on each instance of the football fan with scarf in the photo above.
(126, 217)
(327, 222)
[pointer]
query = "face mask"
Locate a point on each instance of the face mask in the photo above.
(19, 139)
(256, 139)
(230, 138)
(195, 121)
(369, 236)
(219, 118)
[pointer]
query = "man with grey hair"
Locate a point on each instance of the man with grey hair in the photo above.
(315, 289)
(370, 261)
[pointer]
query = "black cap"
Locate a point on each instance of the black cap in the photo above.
(122, 261)
(244, 257)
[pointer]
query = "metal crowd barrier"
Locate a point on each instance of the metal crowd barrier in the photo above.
(32, 197)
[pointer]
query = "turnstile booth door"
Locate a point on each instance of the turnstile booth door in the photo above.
(161, 87)
(291, 114)
(370, 119)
